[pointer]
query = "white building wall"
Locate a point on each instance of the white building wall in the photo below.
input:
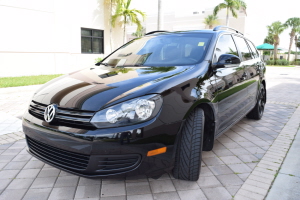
(44, 36)
(181, 21)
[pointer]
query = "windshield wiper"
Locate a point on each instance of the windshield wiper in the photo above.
(100, 63)
(132, 65)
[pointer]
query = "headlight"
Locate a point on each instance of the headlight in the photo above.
(129, 112)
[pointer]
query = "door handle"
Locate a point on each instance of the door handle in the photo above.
(244, 76)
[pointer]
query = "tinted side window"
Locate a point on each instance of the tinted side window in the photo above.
(241, 43)
(225, 45)
(253, 49)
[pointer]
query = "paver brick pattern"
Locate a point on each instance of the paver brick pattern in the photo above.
(225, 169)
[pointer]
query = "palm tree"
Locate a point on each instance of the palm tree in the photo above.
(275, 29)
(297, 42)
(127, 15)
(269, 39)
(112, 5)
(210, 21)
(232, 6)
(139, 33)
(293, 23)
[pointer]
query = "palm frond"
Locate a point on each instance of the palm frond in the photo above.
(210, 20)
(140, 12)
(293, 23)
(232, 5)
(127, 15)
(219, 7)
(243, 6)
(233, 12)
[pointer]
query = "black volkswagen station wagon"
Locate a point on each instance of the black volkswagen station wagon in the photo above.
(150, 107)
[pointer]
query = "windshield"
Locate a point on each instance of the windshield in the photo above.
(162, 50)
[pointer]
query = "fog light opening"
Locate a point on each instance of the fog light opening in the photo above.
(157, 151)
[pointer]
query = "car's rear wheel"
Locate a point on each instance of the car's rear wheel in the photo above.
(188, 153)
(258, 111)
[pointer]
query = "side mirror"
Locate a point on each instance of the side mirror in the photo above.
(227, 59)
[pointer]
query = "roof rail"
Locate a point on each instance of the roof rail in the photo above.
(221, 27)
(152, 32)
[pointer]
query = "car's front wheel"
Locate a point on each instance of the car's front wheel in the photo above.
(188, 153)
(258, 111)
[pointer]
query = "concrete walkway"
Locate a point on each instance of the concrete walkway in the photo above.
(242, 165)
(287, 183)
(13, 102)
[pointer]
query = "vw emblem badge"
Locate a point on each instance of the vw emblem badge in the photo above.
(49, 114)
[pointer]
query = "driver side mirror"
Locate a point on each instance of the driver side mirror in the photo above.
(227, 59)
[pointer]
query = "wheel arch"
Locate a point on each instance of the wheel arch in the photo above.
(264, 83)
(209, 123)
(209, 126)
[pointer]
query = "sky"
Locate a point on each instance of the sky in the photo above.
(260, 13)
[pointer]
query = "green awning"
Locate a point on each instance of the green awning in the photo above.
(266, 46)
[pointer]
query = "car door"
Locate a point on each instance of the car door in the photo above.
(250, 62)
(254, 74)
(230, 93)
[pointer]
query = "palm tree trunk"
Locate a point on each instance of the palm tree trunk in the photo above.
(292, 34)
(227, 17)
(276, 46)
(275, 52)
(296, 40)
(124, 34)
(110, 28)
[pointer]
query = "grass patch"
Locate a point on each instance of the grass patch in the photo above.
(280, 66)
(26, 80)
(291, 175)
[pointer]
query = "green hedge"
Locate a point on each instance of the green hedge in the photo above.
(296, 62)
(277, 62)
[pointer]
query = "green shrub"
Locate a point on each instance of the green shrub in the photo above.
(281, 62)
(270, 62)
(98, 60)
(295, 63)
(277, 62)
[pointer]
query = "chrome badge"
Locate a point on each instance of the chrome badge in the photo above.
(49, 114)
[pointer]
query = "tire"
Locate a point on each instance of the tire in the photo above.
(258, 111)
(188, 153)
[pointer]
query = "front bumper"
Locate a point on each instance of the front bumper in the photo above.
(103, 152)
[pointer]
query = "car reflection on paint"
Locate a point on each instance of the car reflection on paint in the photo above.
(150, 107)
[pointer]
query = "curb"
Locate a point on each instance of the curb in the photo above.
(258, 183)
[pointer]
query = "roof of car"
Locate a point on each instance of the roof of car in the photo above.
(216, 30)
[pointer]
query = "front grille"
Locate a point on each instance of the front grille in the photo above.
(65, 117)
(117, 163)
(56, 156)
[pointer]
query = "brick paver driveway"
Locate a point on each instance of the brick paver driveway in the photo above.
(233, 161)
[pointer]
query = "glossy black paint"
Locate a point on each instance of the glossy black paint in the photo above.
(229, 93)
(226, 59)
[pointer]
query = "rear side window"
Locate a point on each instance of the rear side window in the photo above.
(253, 49)
(242, 45)
(225, 45)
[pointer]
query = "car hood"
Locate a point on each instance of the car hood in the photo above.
(100, 86)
